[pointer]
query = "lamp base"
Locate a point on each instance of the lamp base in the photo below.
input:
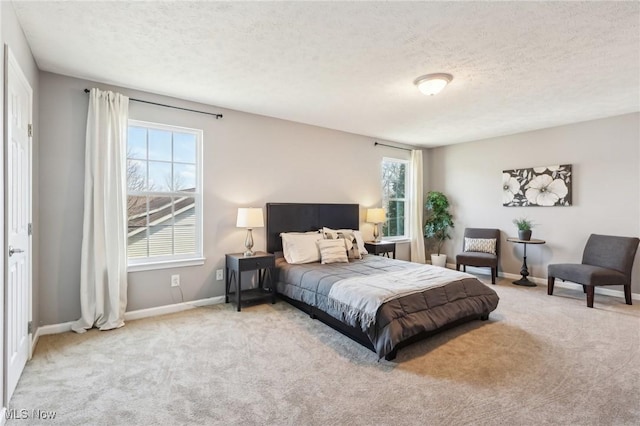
(248, 243)
(376, 234)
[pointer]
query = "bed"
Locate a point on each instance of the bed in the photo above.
(450, 298)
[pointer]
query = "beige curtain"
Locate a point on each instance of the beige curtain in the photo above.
(416, 208)
(103, 270)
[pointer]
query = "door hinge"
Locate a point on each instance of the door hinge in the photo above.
(30, 130)
(29, 327)
(29, 230)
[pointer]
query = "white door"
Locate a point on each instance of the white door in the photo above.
(18, 222)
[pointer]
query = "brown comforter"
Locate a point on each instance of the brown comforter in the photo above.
(399, 319)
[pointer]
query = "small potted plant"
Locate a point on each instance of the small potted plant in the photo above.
(438, 224)
(524, 226)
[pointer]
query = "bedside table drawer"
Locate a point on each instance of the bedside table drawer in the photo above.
(251, 264)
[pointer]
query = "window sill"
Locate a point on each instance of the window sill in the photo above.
(165, 264)
(396, 240)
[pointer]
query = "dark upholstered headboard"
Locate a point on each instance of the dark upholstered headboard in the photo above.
(294, 217)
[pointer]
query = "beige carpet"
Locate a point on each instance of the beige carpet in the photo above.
(538, 360)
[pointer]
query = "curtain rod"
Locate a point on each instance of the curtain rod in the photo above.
(391, 146)
(217, 116)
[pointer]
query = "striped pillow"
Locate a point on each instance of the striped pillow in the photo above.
(333, 233)
(482, 245)
(350, 242)
(332, 251)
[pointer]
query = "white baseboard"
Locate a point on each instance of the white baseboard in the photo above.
(598, 290)
(543, 282)
(34, 342)
(133, 315)
(54, 328)
(536, 280)
(170, 309)
(573, 286)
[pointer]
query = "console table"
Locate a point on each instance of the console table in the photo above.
(524, 271)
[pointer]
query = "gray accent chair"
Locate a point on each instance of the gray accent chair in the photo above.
(483, 260)
(607, 260)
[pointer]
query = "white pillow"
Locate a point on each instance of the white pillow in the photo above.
(482, 245)
(357, 234)
(300, 248)
(332, 251)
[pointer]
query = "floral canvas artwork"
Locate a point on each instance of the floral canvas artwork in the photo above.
(537, 186)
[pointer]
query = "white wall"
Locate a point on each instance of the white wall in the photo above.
(248, 160)
(605, 155)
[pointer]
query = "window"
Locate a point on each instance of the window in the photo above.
(394, 197)
(164, 195)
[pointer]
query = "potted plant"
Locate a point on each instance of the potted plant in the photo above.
(438, 223)
(524, 226)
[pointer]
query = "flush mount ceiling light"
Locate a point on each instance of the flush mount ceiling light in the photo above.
(432, 84)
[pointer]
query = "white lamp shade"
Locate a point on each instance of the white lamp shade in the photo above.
(250, 217)
(376, 215)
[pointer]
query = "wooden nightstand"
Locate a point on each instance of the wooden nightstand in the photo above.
(238, 263)
(381, 248)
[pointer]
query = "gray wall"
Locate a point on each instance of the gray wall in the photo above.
(605, 155)
(248, 160)
(2, 237)
(14, 38)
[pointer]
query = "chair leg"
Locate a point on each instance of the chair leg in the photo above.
(457, 266)
(493, 276)
(464, 268)
(627, 294)
(584, 288)
(590, 291)
(550, 282)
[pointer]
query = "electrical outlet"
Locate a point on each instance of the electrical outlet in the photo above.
(175, 280)
(219, 274)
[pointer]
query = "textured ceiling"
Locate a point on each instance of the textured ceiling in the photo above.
(517, 66)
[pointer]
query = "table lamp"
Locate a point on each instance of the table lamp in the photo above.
(249, 218)
(376, 216)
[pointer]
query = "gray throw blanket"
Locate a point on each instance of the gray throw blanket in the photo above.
(359, 298)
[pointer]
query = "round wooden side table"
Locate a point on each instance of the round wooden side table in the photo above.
(524, 271)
